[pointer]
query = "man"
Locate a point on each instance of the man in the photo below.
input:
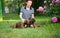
(27, 12)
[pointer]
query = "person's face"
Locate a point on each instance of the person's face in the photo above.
(29, 3)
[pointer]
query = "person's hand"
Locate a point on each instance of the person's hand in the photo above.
(32, 18)
(21, 15)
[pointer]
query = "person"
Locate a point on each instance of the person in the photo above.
(27, 12)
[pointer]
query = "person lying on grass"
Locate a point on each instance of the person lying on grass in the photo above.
(27, 12)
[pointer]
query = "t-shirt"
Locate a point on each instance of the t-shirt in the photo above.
(26, 13)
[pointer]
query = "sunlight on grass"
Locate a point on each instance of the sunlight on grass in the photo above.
(1, 19)
(47, 30)
(11, 16)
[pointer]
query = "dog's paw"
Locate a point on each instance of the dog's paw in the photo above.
(32, 26)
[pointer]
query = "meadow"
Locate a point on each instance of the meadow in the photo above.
(47, 29)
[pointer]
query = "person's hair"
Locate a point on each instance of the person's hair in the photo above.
(26, 4)
(29, 0)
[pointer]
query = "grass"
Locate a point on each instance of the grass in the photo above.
(47, 30)
(15, 16)
(0, 11)
(11, 16)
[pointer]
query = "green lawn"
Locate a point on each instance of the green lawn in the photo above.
(0, 11)
(47, 29)
(0, 14)
(10, 16)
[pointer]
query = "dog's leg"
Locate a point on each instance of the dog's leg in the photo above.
(28, 23)
(22, 25)
(35, 25)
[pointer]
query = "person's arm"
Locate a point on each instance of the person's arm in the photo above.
(32, 16)
(21, 12)
(21, 15)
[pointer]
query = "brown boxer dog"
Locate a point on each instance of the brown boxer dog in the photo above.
(27, 23)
